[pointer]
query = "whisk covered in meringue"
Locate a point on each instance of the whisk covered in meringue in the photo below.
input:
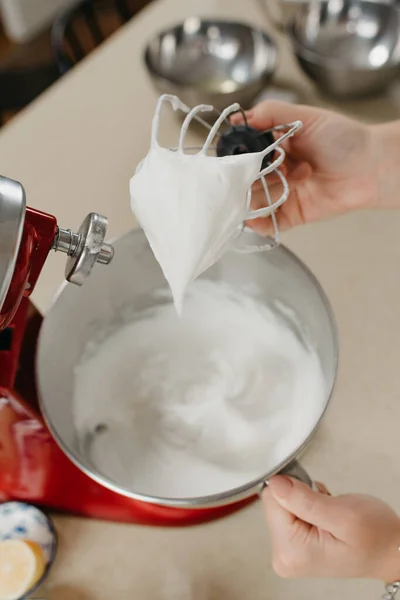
(193, 206)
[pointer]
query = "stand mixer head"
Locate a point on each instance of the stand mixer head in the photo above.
(26, 238)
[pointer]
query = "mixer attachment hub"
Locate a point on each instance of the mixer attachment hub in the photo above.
(84, 248)
(240, 139)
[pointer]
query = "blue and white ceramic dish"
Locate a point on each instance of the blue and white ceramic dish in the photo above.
(24, 521)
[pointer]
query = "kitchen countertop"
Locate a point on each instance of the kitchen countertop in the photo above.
(75, 150)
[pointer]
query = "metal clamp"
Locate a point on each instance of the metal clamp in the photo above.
(84, 248)
(295, 470)
(391, 590)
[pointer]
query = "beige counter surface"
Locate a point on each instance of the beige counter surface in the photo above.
(75, 150)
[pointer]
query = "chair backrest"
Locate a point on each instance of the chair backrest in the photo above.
(20, 86)
(80, 29)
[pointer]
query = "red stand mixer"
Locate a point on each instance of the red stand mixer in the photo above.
(32, 466)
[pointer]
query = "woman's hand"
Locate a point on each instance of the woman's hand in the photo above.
(316, 535)
(331, 165)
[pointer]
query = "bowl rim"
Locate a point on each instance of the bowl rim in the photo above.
(310, 56)
(230, 496)
(154, 72)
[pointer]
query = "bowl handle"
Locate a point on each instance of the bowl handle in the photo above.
(295, 470)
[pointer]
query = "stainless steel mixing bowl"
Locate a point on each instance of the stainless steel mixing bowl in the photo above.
(129, 284)
(211, 62)
(348, 47)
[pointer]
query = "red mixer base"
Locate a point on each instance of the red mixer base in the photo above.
(34, 469)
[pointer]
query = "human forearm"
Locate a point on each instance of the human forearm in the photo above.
(387, 139)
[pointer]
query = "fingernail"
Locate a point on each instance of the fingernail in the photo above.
(322, 489)
(280, 486)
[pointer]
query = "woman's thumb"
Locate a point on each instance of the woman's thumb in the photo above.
(272, 113)
(305, 504)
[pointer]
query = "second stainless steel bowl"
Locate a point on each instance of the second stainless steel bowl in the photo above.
(211, 62)
(348, 47)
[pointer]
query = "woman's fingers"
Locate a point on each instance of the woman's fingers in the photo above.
(301, 501)
(322, 489)
(264, 226)
(272, 113)
(260, 200)
(287, 215)
(278, 518)
(293, 170)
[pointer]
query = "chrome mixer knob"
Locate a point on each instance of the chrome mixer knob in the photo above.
(84, 248)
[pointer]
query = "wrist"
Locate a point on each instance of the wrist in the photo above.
(388, 569)
(386, 141)
(390, 572)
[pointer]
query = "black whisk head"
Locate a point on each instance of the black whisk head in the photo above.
(242, 139)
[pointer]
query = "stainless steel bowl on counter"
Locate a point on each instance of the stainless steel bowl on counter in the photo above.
(80, 315)
(211, 62)
(347, 47)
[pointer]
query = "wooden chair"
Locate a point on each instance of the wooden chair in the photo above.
(20, 86)
(74, 34)
(80, 29)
